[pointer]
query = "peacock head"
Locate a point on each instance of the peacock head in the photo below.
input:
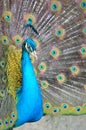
(30, 46)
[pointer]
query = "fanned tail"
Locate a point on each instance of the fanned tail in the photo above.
(61, 60)
(61, 50)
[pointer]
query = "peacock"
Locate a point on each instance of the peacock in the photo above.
(42, 60)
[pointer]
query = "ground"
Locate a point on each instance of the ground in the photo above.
(57, 123)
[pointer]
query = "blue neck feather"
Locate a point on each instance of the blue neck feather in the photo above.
(29, 106)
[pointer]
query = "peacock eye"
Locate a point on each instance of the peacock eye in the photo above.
(30, 21)
(6, 122)
(8, 18)
(7, 15)
(60, 33)
(30, 18)
(0, 123)
(65, 106)
(56, 6)
(78, 109)
(13, 115)
(83, 4)
(83, 50)
(44, 84)
(84, 30)
(42, 67)
(30, 48)
(5, 40)
(61, 78)
(2, 63)
(75, 70)
(11, 121)
(47, 106)
(56, 110)
(17, 39)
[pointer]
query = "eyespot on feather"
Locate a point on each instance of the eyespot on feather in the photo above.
(55, 53)
(7, 16)
(17, 39)
(75, 70)
(56, 6)
(60, 32)
(5, 40)
(61, 78)
(44, 84)
(42, 67)
(30, 19)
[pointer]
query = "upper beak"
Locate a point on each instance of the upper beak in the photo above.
(34, 54)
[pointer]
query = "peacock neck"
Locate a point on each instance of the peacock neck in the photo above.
(30, 84)
(29, 106)
(28, 75)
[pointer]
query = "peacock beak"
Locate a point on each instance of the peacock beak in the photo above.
(34, 54)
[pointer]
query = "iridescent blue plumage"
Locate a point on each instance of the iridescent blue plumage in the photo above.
(29, 104)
